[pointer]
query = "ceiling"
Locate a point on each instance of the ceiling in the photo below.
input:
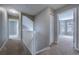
(32, 9)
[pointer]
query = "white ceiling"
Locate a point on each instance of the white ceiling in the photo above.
(32, 9)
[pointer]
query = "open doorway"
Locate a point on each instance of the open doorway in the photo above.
(13, 28)
(13, 25)
(27, 33)
(65, 31)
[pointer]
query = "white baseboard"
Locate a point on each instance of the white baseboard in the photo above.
(76, 49)
(42, 50)
(3, 44)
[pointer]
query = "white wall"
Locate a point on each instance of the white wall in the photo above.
(3, 27)
(42, 30)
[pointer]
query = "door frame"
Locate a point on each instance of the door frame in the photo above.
(51, 41)
(75, 28)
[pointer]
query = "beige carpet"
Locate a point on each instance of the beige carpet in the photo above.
(64, 47)
(14, 47)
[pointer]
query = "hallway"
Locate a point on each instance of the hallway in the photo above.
(14, 47)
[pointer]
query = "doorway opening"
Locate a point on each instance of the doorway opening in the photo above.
(65, 30)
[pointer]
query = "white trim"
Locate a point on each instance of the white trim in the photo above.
(51, 30)
(42, 50)
(56, 41)
(20, 27)
(33, 42)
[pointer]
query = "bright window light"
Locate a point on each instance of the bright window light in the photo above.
(13, 28)
(13, 11)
